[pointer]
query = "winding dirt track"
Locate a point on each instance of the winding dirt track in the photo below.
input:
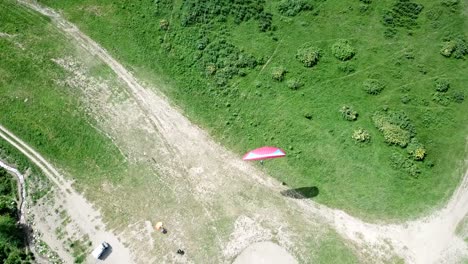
(84, 215)
(430, 239)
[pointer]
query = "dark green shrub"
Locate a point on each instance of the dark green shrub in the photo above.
(405, 99)
(395, 135)
(309, 56)
(403, 14)
(294, 84)
(441, 98)
(265, 22)
(210, 69)
(373, 86)
(442, 86)
(293, 7)
(429, 163)
(361, 135)
(209, 11)
(458, 97)
(163, 24)
(342, 50)
(278, 73)
(395, 126)
(346, 67)
(452, 5)
(416, 150)
(401, 162)
(348, 113)
(455, 47)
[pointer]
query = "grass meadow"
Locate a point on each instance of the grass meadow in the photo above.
(237, 70)
(39, 110)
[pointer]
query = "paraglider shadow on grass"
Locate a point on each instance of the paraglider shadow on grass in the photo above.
(301, 193)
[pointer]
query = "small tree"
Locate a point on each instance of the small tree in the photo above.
(361, 135)
(416, 149)
(163, 24)
(293, 7)
(342, 50)
(373, 87)
(442, 86)
(309, 56)
(278, 73)
(348, 113)
(294, 84)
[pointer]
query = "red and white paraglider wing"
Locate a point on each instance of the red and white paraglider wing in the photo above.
(264, 153)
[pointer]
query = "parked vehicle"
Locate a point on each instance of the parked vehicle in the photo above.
(99, 250)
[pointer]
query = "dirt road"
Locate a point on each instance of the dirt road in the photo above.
(431, 239)
(83, 214)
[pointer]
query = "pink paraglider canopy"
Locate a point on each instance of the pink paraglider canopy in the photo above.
(264, 153)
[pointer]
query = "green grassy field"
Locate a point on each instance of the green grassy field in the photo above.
(218, 66)
(39, 110)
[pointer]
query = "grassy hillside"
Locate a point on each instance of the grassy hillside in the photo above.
(281, 72)
(39, 109)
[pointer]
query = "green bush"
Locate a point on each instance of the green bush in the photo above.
(361, 135)
(309, 56)
(441, 98)
(416, 150)
(403, 14)
(293, 7)
(348, 113)
(209, 11)
(163, 24)
(405, 99)
(442, 86)
(342, 50)
(294, 84)
(458, 97)
(401, 162)
(455, 47)
(396, 127)
(452, 5)
(395, 135)
(346, 67)
(373, 87)
(278, 73)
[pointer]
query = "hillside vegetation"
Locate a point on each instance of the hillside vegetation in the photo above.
(367, 97)
(37, 107)
(12, 236)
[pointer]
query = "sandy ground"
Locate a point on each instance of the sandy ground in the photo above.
(265, 253)
(183, 147)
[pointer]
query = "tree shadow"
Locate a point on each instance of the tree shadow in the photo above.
(301, 193)
(27, 232)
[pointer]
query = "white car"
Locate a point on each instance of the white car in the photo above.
(99, 250)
